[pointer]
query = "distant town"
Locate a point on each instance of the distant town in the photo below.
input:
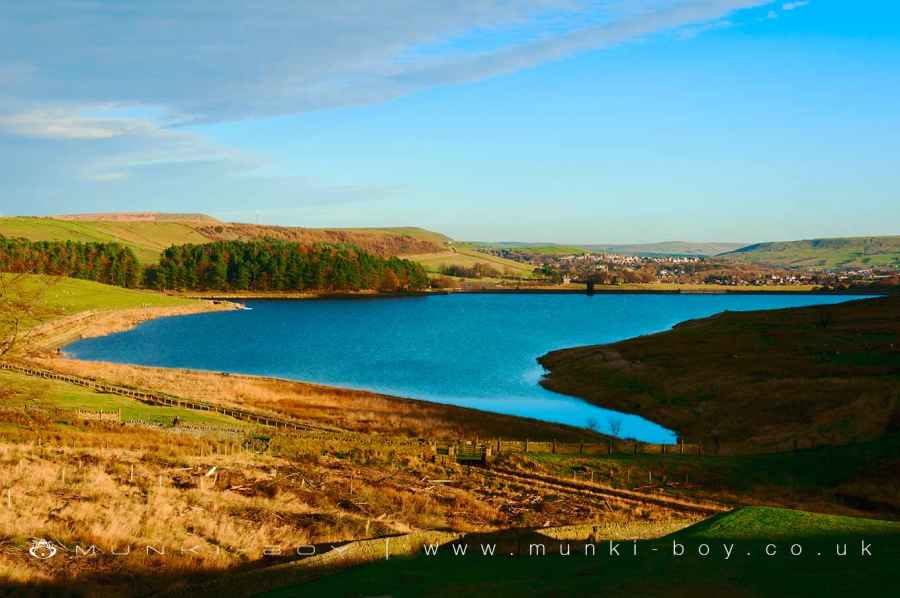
(612, 269)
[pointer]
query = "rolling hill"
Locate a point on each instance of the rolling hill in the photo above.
(149, 233)
(643, 249)
(823, 254)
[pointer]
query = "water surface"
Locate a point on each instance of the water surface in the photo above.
(472, 350)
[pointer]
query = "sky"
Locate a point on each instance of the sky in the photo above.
(571, 121)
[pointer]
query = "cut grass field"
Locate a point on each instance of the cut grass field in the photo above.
(655, 570)
(750, 380)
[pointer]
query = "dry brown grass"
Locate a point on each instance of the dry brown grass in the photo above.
(354, 410)
(84, 484)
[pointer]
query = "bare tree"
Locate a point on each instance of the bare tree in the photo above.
(615, 426)
(592, 424)
(22, 306)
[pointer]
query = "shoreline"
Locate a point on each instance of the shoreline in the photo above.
(55, 335)
(303, 400)
(299, 296)
(93, 324)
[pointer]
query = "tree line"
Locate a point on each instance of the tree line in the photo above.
(261, 265)
(109, 263)
(271, 265)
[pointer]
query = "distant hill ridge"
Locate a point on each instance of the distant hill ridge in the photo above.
(644, 249)
(134, 217)
(843, 253)
(149, 233)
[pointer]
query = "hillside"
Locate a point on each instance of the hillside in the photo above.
(149, 233)
(467, 258)
(646, 249)
(667, 248)
(752, 380)
(823, 254)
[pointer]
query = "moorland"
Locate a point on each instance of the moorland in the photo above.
(796, 410)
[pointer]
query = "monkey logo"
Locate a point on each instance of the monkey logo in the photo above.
(42, 549)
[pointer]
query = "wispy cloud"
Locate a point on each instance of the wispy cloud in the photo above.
(794, 5)
(226, 60)
(69, 123)
(87, 73)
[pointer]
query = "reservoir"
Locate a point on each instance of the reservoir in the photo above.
(471, 350)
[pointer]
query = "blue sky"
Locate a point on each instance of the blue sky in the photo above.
(541, 120)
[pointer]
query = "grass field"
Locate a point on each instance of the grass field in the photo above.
(147, 239)
(845, 253)
(71, 295)
(824, 374)
(49, 394)
(433, 262)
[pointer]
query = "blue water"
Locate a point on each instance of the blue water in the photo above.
(472, 350)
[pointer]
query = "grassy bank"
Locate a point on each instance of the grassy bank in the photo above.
(355, 410)
(752, 380)
(654, 571)
(20, 391)
(71, 295)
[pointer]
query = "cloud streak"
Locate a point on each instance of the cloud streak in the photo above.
(219, 61)
(98, 93)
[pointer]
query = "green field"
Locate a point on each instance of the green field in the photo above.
(149, 237)
(433, 262)
(656, 569)
(49, 394)
(71, 295)
(831, 254)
